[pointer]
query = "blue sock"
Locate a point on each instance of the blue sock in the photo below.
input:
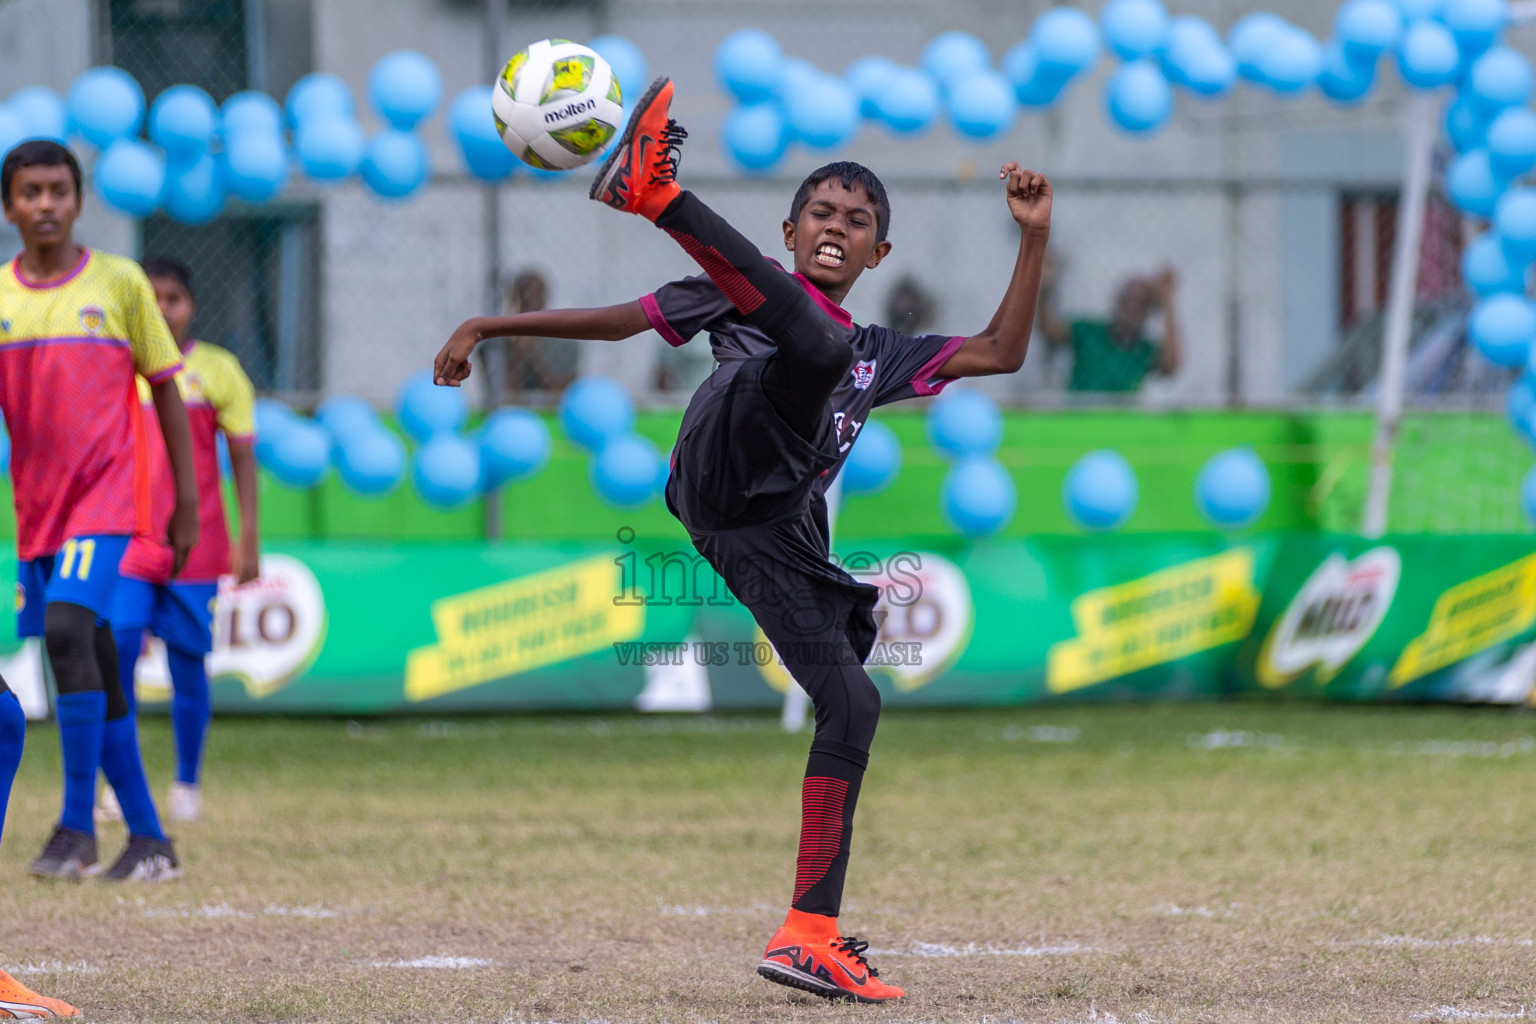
(128, 641)
(191, 710)
(82, 720)
(124, 769)
(13, 733)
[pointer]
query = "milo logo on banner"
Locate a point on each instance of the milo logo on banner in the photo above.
(266, 633)
(1336, 611)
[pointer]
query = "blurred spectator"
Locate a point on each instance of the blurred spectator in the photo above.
(909, 308)
(1115, 354)
(536, 364)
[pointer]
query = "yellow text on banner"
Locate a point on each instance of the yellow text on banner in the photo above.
(522, 624)
(1469, 617)
(1162, 617)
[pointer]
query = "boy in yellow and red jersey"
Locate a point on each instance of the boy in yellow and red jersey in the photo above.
(219, 397)
(75, 326)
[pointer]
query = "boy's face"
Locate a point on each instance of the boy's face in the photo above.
(834, 240)
(176, 305)
(43, 204)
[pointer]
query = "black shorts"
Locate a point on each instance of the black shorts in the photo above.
(737, 462)
(744, 483)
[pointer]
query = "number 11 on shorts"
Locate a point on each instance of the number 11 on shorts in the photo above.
(85, 550)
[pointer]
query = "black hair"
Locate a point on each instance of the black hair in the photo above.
(849, 175)
(164, 266)
(37, 153)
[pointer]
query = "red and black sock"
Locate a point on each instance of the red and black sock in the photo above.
(828, 797)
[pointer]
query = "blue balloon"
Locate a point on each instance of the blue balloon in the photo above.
(1429, 57)
(251, 113)
(749, 64)
(1343, 80)
(1487, 269)
(330, 147)
(343, 416)
(1465, 124)
(1232, 488)
(663, 474)
(1520, 405)
(1034, 86)
(595, 409)
(982, 105)
(273, 419)
(1475, 23)
(255, 166)
(1251, 37)
(963, 424)
(1501, 77)
(1139, 98)
(13, 130)
(978, 497)
(42, 111)
(447, 471)
(1368, 28)
(1414, 10)
(870, 77)
(300, 455)
(627, 61)
(1066, 41)
(106, 104)
(1292, 61)
(624, 472)
(404, 88)
(426, 410)
(1528, 495)
(755, 135)
(131, 177)
(822, 112)
(317, 94)
(952, 55)
(1134, 28)
(473, 126)
(910, 102)
(371, 461)
(1100, 491)
(1503, 327)
(1512, 142)
(514, 443)
(1514, 218)
(1473, 184)
(194, 191)
(874, 460)
(182, 120)
(395, 163)
(1196, 58)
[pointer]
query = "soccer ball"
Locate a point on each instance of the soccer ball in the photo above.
(557, 104)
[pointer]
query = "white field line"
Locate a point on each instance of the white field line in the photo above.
(437, 963)
(53, 967)
(1415, 942)
(936, 949)
(1453, 1013)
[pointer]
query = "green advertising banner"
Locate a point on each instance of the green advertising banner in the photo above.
(341, 628)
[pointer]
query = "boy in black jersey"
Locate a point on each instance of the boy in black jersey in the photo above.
(765, 435)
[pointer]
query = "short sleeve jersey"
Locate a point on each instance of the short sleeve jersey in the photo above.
(69, 349)
(219, 397)
(888, 366)
(1100, 364)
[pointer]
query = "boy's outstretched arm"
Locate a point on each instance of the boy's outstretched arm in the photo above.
(608, 323)
(183, 529)
(1001, 346)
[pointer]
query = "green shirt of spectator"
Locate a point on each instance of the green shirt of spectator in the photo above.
(1116, 354)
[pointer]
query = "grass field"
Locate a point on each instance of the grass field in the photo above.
(1218, 862)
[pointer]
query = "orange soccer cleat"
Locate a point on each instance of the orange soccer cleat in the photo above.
(808, 954)
(640, 175)
(17, 1002)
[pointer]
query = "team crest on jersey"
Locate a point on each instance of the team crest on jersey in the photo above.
(863, 374)
(5, 326)
(92, 319)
